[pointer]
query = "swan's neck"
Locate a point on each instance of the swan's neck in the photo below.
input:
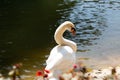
(62, 41)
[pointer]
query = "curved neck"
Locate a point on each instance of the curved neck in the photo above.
(61, 40)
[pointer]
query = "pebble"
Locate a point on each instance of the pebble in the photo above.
(110, 73)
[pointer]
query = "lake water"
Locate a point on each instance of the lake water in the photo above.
(27, 28)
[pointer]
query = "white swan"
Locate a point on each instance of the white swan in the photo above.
(62, 57)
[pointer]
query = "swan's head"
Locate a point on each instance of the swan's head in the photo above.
(70, 27)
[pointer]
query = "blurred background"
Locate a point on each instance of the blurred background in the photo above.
(27, 28)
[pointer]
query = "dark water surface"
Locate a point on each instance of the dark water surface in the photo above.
(26, 31)
(27, 28)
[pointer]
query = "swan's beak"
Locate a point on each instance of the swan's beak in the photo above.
(73, 31)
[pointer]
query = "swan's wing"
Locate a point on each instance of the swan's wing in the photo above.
(54, 59)
(60, 57)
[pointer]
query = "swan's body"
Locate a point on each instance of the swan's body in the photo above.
(62, 57)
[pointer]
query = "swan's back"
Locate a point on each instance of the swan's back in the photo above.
(61, 58)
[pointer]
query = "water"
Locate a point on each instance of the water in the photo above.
(27, 29)
(105, 50)
(25, 32)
